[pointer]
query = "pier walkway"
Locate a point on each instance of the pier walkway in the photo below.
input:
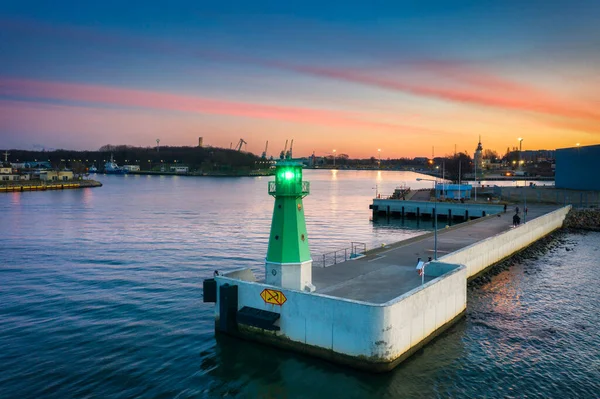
(388, 272)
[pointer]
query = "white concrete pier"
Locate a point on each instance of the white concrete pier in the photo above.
(371, 313)
(371, 335)
(374, 311)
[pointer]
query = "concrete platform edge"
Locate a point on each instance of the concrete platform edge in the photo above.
(362, 363)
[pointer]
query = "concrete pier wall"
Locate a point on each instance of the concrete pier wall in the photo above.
(485, 253)
(416, 317)
(374, 337)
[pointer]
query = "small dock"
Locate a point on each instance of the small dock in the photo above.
(397, 208)
(43, 186)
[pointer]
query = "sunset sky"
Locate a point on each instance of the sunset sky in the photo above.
(400, 76)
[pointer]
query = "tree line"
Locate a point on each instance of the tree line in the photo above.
(207, 159)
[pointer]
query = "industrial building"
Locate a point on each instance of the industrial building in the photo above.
(576, 168)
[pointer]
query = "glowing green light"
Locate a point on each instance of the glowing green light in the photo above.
(288, 175)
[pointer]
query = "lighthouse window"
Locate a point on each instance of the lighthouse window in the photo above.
(277, 237)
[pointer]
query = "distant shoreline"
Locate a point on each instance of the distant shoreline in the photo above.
(202, 174)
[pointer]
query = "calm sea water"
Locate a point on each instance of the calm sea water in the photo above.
(101, 296)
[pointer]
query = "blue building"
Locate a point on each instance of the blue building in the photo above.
(577, 168)
(453, 191)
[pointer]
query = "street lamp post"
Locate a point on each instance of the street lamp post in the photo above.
(525, 185)
(435, 218)
(525, 206)
(475, 162)
(334, 158)
(379, 151)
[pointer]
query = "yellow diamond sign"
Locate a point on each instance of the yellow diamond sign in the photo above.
(273, 297)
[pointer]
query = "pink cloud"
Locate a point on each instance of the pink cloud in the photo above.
(122, 97)
(107, 95)
(448, 80)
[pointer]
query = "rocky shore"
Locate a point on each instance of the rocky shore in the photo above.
(583, 219)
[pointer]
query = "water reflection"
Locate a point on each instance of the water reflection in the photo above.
(15, 198)
(75, 277)
(246, 369)
(87, 197)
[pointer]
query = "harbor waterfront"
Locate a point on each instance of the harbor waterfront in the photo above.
(103, 297)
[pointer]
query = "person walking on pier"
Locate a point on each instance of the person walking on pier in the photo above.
(517, 210)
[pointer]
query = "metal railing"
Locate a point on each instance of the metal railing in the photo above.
(291, 189)
(340, 255)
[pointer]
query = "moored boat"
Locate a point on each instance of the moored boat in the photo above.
(112, 168)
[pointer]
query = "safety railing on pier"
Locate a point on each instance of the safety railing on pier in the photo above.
(340, 255)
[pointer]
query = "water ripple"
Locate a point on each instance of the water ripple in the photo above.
(102, 297)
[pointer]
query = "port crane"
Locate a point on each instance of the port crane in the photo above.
(239, 145)
(288, 155)
(282, 154)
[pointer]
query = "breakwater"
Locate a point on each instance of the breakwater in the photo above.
(584, 219)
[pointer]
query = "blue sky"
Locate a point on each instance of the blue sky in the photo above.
(350, 76)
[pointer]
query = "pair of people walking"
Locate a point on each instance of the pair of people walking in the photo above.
(517, 218)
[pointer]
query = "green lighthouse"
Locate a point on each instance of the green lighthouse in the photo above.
(288, 262)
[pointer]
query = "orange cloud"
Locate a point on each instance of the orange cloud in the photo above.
(462, 84)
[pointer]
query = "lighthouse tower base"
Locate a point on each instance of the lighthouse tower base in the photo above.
(293, 276)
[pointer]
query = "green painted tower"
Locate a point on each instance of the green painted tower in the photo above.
(288, 262)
